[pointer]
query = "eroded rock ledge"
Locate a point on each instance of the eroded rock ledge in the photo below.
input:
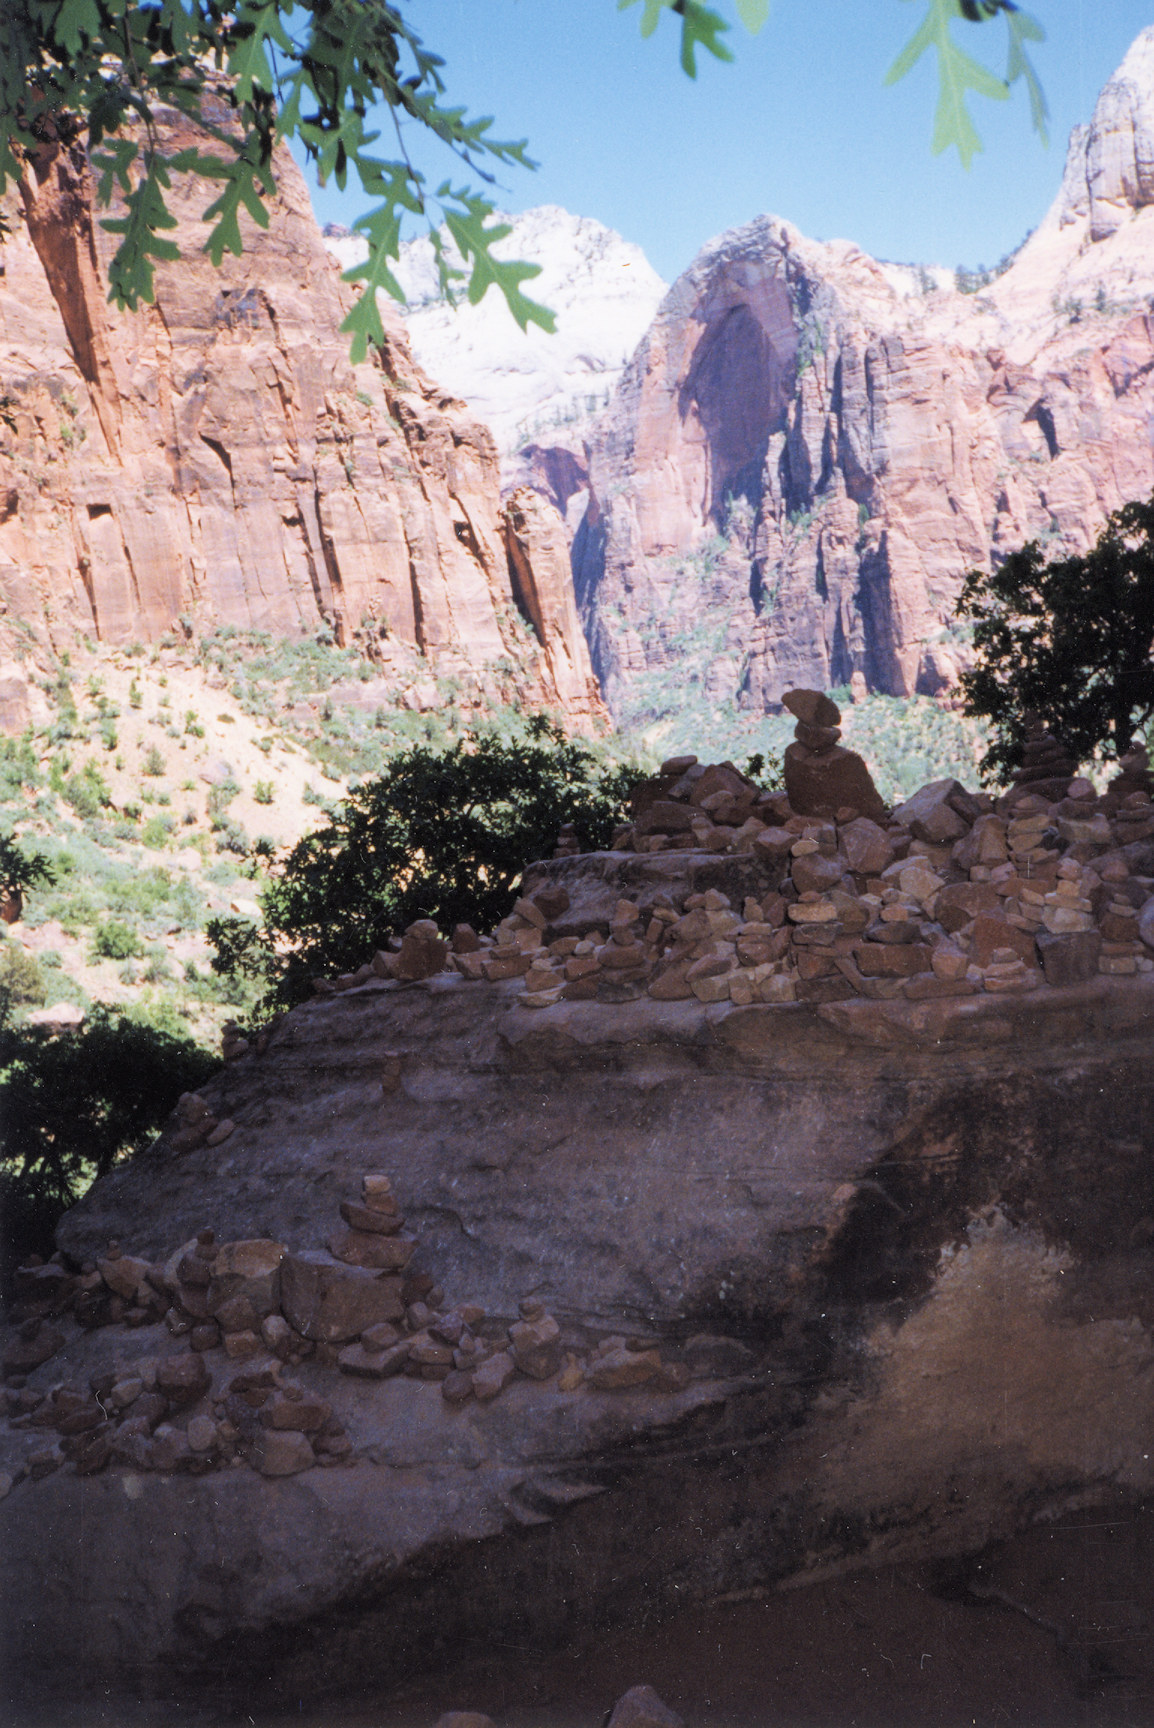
(916, 1233)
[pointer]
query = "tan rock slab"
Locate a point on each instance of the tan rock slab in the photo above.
(619, 1370)
(304, 1412)
(641, 1707)
(536, 1346)
(324, 1299)
(282, 1452)
(990, 932)
(124, 1274)
(892, 960)
(369, 1364)
(385, 1220)
(246, 1273)
(371, 1249)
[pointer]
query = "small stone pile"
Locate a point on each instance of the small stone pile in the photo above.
(357, 1307)
(1047, 767)
(949, 896)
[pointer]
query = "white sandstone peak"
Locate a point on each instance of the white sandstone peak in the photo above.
(602, 289)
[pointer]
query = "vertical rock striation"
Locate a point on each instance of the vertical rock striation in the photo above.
(810, 448)
(216, 456)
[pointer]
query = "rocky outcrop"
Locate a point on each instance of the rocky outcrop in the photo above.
(538, 552)
(631, 1299)
(215, 456)
(810, 449)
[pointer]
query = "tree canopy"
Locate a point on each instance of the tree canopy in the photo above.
(313, 70)
(71, 1104)
(1071, 640)
(442, 834)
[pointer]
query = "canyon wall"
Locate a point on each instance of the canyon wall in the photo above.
(810, 449)
(215, 456)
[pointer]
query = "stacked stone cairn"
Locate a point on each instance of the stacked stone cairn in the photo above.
(241, 1315)
(948, 895)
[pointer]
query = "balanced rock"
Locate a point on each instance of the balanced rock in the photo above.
(1047, 766)
(823, 780)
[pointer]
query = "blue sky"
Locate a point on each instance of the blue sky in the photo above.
(800, 125)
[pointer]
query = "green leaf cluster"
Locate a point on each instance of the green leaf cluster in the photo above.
(442, 834)
(959, 74)
(21, 870)
(249, 74)
(1071, 641)
(71, 1105)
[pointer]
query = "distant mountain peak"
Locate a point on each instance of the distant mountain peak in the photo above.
(602, 288)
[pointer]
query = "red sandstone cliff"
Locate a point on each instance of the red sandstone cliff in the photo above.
(809, 449)
(216, 455)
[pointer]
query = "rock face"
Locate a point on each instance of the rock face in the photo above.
(702, 1297)
(810, 449)
(536, 392)
(216, 457)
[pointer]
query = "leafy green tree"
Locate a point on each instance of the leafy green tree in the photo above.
(1071, 640)
(255, 71)
(73, 1103)
(20, 870)
(441, 834)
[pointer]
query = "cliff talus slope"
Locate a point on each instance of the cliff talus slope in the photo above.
(216, 456)
(810, 449)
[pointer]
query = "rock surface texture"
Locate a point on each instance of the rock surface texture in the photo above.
(216, 456)
(644, 1251)
(810, 449)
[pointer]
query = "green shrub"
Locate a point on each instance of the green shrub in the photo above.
(157, 831)
(218, 801)
(153, 763)
(115, 940)
(158, 969)
(264, 792)
(21, 977)
(72, 1104)
(441, 834)
(19, 767)
(87, 792)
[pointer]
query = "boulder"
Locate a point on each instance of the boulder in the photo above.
(1071, 958)
(821, 784)
(183, 1380)
(641, 1707)
(246, 1281)
(939, 813)
(282, 1452)
(323, 1299)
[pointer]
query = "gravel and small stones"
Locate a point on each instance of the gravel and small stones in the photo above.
(199, 1404)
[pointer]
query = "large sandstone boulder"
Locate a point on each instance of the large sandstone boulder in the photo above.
(786, 1290)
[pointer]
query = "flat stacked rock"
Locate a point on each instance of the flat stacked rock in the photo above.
(1047, 767)
(948, 896)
